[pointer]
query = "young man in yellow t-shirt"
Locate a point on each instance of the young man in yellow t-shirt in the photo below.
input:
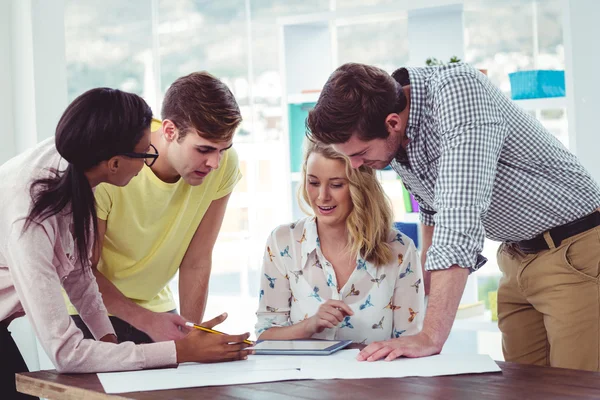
(169, 216)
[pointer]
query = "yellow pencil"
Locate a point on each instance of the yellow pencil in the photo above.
(204, 329)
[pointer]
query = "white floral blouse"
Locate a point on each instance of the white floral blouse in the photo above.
(388, 301)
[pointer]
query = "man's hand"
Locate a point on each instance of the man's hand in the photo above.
(419, 345)
(329, 315)
(163, 326)
(204, 347)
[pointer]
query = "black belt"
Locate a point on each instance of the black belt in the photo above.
(560, 233)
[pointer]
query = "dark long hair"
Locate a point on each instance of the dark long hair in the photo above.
(96, 126)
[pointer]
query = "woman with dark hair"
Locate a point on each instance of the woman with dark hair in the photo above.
(47, 230)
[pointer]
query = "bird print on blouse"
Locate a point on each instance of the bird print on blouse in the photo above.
(297, 274)
(379, 325)
(270, 253)
(271, 281)
(366, 304)
(346, 323)
(397, 333)
(303, 238)
(391, 306)
(315, 294)
(318, 264)
(361, 264)
(413, 314)
(330, 280)
(406, 272)
(398, 238)
(416, 285)
(285, 252)
(378, 280)
(379, 296)
(353, 291)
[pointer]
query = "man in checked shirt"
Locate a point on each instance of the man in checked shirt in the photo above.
(479, 166)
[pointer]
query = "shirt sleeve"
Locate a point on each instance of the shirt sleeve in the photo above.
(155, 125)
(426, 212)
(231, 174)
(275, 292)
(37, 279)
(103, 201)
(472, 132)
(408, 292)
(82, 289)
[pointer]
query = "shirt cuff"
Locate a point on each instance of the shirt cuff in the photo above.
(444, 257)
(99, 324)
(160, 354)
(426, 219)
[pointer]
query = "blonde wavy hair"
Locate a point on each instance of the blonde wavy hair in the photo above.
(370, 221)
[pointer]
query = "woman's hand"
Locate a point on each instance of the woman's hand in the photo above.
(329, 315)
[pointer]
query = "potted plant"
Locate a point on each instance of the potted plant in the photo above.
(432, 61)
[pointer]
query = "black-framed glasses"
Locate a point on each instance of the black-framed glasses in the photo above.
(149, 158)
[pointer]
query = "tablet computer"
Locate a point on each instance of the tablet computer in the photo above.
(299, 347)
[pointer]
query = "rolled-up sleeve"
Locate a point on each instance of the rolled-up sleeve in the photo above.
(275, 292)
(473, 131)
(426, 212)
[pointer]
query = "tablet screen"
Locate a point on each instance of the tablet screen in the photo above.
(295, 344)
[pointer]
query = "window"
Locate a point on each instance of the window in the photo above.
(131, 46)
(109, 44)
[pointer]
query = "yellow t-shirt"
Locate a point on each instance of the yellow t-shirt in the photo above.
(149, 226)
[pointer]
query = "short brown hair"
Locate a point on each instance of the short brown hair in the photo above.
(203, 102)
(356, 98)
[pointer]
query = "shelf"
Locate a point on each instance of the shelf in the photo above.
(300, 98)
(548, 103)
(412, 218)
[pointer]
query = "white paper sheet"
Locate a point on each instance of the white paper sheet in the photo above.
(196, 375)
(442, 364)
(340, 365)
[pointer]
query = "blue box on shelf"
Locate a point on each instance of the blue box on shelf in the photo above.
(537, 84)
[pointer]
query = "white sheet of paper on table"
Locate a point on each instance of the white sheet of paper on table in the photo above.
(257, 369)
(233, 373)
(439, 365)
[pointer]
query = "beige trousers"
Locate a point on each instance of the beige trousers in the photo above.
(549, 303)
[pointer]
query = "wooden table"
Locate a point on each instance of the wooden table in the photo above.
(515, 382)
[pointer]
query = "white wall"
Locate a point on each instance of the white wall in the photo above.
(22, 68)
(38, 69)
(582, 58)
(33, 95)
(6, 87)
(49, 64)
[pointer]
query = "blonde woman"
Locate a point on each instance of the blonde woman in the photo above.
(343, 273)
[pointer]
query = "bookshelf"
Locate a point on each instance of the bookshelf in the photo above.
(548, 103)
